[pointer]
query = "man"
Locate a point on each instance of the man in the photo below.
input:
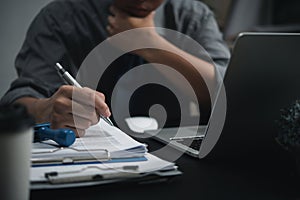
(66, 31)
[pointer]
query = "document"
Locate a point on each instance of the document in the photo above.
(104, 155)
(101, 142)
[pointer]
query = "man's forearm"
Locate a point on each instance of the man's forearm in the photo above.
(193, 68)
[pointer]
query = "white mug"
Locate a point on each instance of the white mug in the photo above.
(16, 133)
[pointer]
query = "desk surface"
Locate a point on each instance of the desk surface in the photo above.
(200, 179)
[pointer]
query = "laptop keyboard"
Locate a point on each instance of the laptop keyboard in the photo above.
(193, 143)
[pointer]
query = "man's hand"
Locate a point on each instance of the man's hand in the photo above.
(121, 21)
(145, 34)
(69, 107)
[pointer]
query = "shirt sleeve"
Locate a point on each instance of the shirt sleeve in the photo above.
(196, 20)
(42, 48)
(205, 30)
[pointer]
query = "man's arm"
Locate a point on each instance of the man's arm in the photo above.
(193, 68)
(188, 65)
(69, 107)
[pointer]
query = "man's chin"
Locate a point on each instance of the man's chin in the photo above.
(139, 13)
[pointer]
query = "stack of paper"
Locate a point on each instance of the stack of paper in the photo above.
(104, 155)
(101, 142)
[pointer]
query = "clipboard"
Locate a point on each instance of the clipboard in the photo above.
(153, 178)
(103, 155)
(102, 174)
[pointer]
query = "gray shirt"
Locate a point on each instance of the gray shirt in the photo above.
(66, 31)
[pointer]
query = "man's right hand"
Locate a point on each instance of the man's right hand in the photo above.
(69, 107)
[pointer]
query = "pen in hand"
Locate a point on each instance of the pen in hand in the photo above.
(71, 81)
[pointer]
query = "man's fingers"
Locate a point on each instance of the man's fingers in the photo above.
(84, 104)
(81, 95)
(92, 98)
(68, 120)
(110, 30)
(65, 91)
(101, 106)
(79, 133)
(80, 123)
(86, 112)
(85, 96)
(117, 12)
(111, 20)
(97, 100)
(65, 106)
(112, 9)
(111, 25)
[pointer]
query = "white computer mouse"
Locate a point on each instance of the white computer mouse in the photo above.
(141, 124)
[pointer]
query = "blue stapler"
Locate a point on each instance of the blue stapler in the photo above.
(63, 137)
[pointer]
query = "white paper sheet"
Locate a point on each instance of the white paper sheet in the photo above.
(101, 141)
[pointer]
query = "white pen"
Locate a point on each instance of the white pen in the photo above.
(71, 81)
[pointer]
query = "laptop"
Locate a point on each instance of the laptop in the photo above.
(263, 77)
